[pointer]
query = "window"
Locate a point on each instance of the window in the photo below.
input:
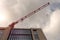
(20, 34)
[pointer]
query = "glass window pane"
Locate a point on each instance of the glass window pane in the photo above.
(1, 32)
(20, 37)
(20, 34)
(21, 31)
(36, 34)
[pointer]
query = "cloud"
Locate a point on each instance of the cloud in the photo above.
(54, 6)
(52, 30)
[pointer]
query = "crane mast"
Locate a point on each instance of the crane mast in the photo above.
(11, 26)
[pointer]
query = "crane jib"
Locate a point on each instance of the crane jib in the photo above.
(35, 11)
(30, 14)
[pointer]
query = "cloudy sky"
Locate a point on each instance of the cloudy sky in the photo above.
(47, 18)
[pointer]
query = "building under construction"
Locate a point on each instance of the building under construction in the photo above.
(11, 33)
(23, 34)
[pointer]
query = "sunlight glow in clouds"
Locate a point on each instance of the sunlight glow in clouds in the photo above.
(4, 14)
(3, 17)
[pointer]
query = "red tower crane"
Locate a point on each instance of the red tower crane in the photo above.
(11, 26)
